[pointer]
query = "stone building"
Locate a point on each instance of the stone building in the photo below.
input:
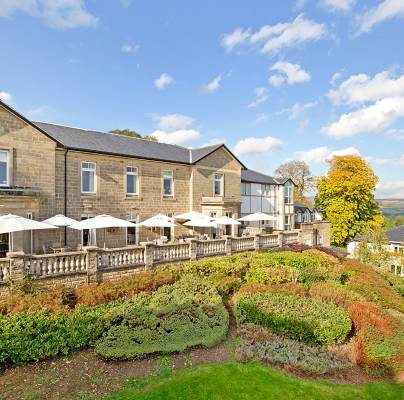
(48, 169)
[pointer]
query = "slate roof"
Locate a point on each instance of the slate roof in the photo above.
(396, 234)
(249, 175)
(109, 143)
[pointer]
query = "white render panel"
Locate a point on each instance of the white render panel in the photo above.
(255, 204)
(245, 205)
(256, 189)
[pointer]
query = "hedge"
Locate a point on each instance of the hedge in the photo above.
(186, 314)
(300, 318)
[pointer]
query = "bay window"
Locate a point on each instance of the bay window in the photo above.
(88, 177)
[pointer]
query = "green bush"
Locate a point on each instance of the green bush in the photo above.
(32, 336)
(186, 314)
(301, 318)
(259, 344)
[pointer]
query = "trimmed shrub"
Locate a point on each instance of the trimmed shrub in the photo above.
(395, 282)
(176, 317)
(33, 336)
(300, 318)
(333, 292)
(259, 344)
(369, 284)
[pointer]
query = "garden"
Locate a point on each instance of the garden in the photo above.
(248, 317)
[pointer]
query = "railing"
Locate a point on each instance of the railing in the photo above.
(4, 269)
(267, 241)
(290, 237)
(171, 252)
(242, 244)
(55, 264)
(210, 247)
(122, 257)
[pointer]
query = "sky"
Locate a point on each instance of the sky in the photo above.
(275, 81)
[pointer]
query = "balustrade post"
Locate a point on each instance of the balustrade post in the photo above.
(93, 272)
(257, 242)
(228, 245)
(17, 267)
(193, 248)
(280, 239)
(148, 255)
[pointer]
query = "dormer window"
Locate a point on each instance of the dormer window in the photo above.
(4, 168)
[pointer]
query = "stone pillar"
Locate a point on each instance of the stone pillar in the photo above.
(148, 255)
(17, 267)
(193, 249)
(228, 245)
(93, 273)
(280, 239)
(257, 242)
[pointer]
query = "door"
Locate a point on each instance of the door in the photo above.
(29, 239)
(88, 236)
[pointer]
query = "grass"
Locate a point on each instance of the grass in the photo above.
(249, 381)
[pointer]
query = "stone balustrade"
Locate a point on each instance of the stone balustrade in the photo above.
(95, 264)
(56, 264)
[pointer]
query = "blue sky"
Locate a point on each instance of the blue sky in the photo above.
(274, 80)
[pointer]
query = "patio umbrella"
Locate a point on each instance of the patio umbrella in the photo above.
(101, 222)
(158, 221)
(192, 215)
(258, 216)
(60, 221)
(200, 223)
(227, 221)
(11, 223)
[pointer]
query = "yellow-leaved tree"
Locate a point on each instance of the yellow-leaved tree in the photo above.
(346, 197)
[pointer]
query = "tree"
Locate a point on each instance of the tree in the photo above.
(345, 195)
(300, 173)
(373, 248)
(128, 132)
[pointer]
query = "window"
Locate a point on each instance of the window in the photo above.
(299, 217)
(168, 190)
(288, 192)
(218, 189)
(288, 222)
(4, 167)
(132, 232)
(88, 177)
(246, 188)
(131, 180)
(88, 236)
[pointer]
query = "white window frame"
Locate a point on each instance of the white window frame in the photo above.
(133, 172)
(168, 173)
(87, 169)
(246, 189)
(288, 226)
(288, 195)
(7, 153)
(221, 184)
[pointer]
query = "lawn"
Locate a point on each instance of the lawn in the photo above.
(250, 381)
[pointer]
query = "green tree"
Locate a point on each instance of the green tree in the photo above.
(300, 173)
(130, 133)
(346, 197)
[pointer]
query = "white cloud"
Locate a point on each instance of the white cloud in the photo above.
(375, 118)
(38, 111)
(299, 4)
(214, 141)
(362, 88)
(385, 10)
(321, 154)
(261, 118)
(129, 48)
(62, 14)
(213, 85)
(390, 189)
(337, 76)
(338, 5)
(261, 96)
(396, 134)
(288, 72)
(179, 137)
(238, 36)
(298, 108)
(5, 97)
(173, 122)
(274, 38)
(163, 80)
(253, 145)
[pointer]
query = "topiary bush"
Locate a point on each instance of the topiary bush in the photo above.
(300, 318)
(259, 344)
(176, 317)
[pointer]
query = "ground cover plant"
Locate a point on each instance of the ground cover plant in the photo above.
(299, 318)
(188, 313)
(258, 344)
